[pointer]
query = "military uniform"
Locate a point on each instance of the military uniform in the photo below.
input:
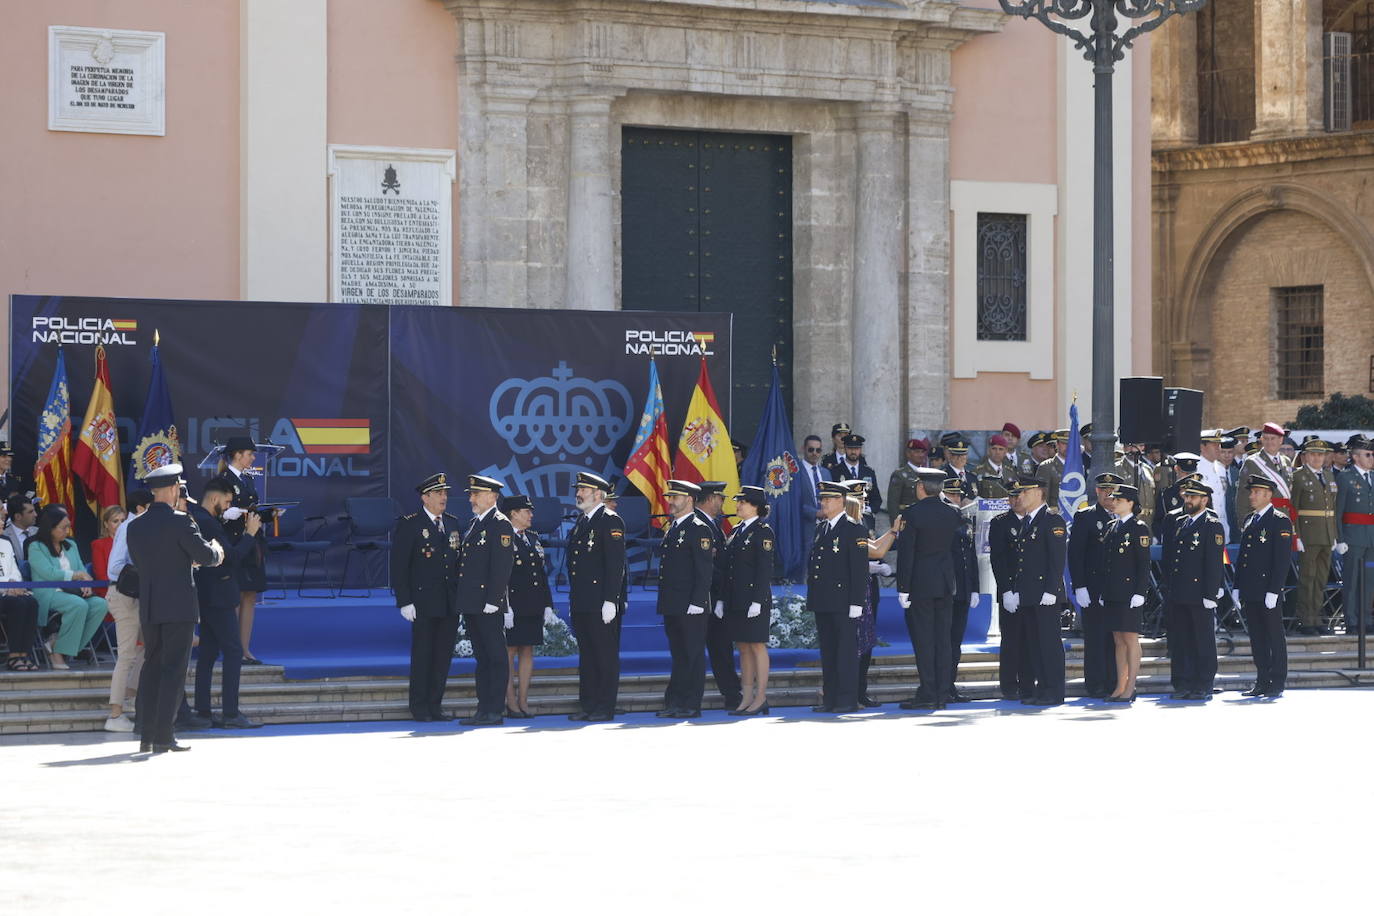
(1039, 549)
(1007, 473)
(251, 571)
(1049, 473)
(901, 488)
(596, 575)
(485, 563)
(1139, 473)
(836, 582)
(925, 575)
(424, 559)
(1125, 571)
(1355, 529)
(720, 649)
(1314, 510)
(1193, 577)
(1085, 565)
(1276, 468)
(684, 595)
(1262, 570)
(1013, 665)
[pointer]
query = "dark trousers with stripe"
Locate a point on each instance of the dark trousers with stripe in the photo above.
(1268, 645)
(598, 662)
(1013, 658)
(431, 653)
(1045, 641)
(687, 646)
(1099, 652)
(488, 635)
(721, 651)
(162, 685)
(1194, 663)
(839, 640)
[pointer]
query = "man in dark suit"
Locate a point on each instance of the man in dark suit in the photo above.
(719, 647)
(1266, 555)
(925, 585)
(424, 556)
(684, 592)
(1193, 564)
(851, 466)
(815, 474)
(165, 546)
(217, 588)
(1037, 591)
(10, 482)
(836, 587)
(1085, 566)
(486, 559)
(596, 596)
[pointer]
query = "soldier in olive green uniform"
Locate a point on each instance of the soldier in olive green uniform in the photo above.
(1314, 504)
(1137, 471)
(1051, 470)
(999, 463)
(901, 486)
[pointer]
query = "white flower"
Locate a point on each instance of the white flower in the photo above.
(464, 649)
(774, 642)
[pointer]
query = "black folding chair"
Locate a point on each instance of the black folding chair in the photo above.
(289, 539)
(371, 520)
(639, 536)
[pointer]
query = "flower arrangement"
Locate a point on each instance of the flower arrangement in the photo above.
(791, 626)
(558, 640)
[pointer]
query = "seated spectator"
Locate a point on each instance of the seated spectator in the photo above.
(18, 610)
(111, 517)
(54, 557)
(21, 524)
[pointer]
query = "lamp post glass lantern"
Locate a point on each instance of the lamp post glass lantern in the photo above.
(1103, 43)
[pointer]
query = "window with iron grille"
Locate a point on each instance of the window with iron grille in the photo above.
(1298, 346)
(1225, 71)
(1002, 276)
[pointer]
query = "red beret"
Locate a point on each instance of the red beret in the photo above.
(998, 440)
(1274, 428)
(922, 444)
(1012, 428)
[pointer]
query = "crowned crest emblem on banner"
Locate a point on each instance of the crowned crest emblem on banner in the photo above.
(155, 451)
(778, 474)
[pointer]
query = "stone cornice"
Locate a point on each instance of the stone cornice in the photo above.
(1263, 152)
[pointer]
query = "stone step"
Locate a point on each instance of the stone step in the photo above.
(85, 677)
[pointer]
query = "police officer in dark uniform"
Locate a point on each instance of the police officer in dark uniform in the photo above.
(719, 647)
(1013, 664)
(237, 457)
(10, 482)
(486, 558)
(424, 557)
(1037, 590)
(851, 466)
(596, 596)
(925, 586)
(1193, 560)
(965, 557)
(748, 596)
(1266, 555)
(531, 602)
(1085, 571)
(1123, 583)
(837, 578)
(956, 446)
(165, 545)
(684, 592)
(1169, 503)
(833, 458)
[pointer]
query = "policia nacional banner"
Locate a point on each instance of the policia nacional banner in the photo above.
(531, 396)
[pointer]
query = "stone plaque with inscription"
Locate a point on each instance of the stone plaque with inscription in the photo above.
(106, 80)
(392, 225)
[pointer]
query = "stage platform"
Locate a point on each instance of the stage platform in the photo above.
(351, 637)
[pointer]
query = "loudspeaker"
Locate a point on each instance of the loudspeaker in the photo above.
(1142, 409)
(1182, 420)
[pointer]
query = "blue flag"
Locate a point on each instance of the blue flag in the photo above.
(156, 443)
(1073, 488)
(772, 465)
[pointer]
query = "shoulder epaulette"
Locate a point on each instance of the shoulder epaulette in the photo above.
(406, 518)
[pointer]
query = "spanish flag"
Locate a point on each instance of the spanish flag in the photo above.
(96, 457)
(703, 450)
(334, 436)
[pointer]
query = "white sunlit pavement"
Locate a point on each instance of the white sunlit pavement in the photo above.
(1256, 806)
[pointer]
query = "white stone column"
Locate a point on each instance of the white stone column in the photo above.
(1288, 68)
(591, 242)
(878, 237)
(1173, 83)
(928, 300)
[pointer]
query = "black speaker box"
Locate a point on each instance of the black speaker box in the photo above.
(1142, 409)
(1182, 420)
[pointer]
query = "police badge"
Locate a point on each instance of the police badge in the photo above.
(705, 543)
(505, 540)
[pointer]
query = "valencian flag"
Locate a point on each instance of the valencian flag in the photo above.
(703, 451)
(52, 472)
(156, 442)
(96, 457)
(649, 464)
(772, 465)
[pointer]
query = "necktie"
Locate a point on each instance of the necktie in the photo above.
(815, 478)
(471, 525)
(439, 524)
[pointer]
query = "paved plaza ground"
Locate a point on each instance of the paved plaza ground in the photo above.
(1236, 806)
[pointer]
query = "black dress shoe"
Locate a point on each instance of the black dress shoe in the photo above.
(868, 702)
(238, 721)
(174, 747)
(822, 708)
(422, 717)
(957, 697)
(1255, 691)
(145, 746)
(1272, 694)
(843, 710)
(482, 720)
(440, 716)
(579, 717)
(669, 712)
(916, 704)
(1181, 695)
(621, 712)
(686, 714)
(761, 711)
(250, 660)
(600, 717)
(1044, 702)
(196, 721)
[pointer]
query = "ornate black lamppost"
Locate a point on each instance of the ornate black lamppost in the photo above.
(1104, 46)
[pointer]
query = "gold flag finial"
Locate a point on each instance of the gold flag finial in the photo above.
(157, 337)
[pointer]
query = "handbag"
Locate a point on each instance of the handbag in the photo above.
(127, 583)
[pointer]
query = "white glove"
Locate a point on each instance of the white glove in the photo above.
(1010, 602)
(755, 610)
(1047, 599)
(490, 609)
(1341, 547)
(855, 610)
(1271, 600)
(1298, 541)
(1081, 596)
(904, 600)
(408, 612)
(510, 619)
(1235, 596)
(720, 610)
(550, 618)
(693, 609)
(973, 600)
(884, 569)
(607, 611)
(233, 513)
(874, 567)
(1209, 604)
(1137, 600)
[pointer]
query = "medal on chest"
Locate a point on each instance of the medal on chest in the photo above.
(482, 538)
(454, 541)
(1263, 536)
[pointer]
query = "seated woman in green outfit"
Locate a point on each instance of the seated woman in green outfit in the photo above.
(53, 557)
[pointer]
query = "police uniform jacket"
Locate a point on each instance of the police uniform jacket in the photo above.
(966, 477)
(1039, 552)
(529, 582)
(424, 563)
(1170, 500)
(901, 488)
(1314, 501)
(684, 577)
(837, 574)
(1193, 559)
(1001, 549)
(1140, 474)
(163, 543)
(1085, 548)
(925, 559)
(843, 471)
(1354, 498)
(486, 558)
(717, 554)
(1125, 561)
(1266, 554)
(218, 586)
(965, 560)
(596, 561)
(10, 484)
(749, 568)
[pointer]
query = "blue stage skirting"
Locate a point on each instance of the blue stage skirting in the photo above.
(349, 637)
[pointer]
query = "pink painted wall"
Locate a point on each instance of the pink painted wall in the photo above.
(393, 80)
(993, 398)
